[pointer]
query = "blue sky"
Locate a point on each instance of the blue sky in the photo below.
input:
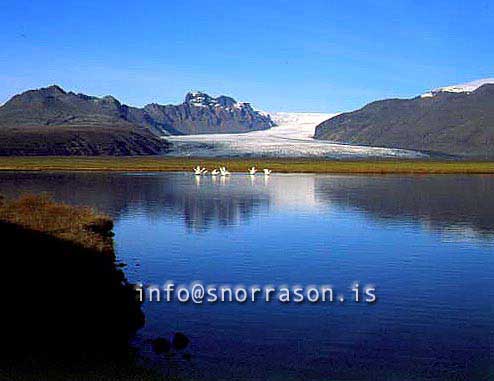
(280, 55)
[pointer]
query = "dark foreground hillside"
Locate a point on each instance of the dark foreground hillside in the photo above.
(68, 311)
(78, 141)
(460, 124)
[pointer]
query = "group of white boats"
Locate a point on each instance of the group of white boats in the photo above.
(222, 171)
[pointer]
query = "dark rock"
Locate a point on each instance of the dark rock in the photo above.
(161, 345)
(180, 341)
(187, 356)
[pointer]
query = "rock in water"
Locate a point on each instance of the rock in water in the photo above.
(161, 345)
(187, 356)
(180, 341)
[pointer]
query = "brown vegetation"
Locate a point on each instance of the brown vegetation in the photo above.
(40, 213)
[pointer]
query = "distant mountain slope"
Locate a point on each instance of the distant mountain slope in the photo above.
(51, 121)
(203, 114)
(198, 114)
(453, 120)
(53, 106)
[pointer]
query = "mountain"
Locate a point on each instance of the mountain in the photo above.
(51, 121)
(455, 120)
(201, 114)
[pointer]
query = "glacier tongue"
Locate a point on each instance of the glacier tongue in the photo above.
(292, 137)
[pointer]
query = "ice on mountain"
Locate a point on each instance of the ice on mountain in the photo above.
(467, 87)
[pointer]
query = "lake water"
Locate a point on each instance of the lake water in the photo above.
(425, 242)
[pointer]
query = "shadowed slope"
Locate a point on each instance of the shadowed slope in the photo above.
(451, 123)
(50, 121)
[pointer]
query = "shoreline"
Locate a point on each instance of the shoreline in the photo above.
(86, 310)
(174, 164)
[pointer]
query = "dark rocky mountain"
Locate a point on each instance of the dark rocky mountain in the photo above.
(201, 114)
(51, 121)
(450, 122)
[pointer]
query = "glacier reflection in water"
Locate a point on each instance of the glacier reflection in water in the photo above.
(449, 203)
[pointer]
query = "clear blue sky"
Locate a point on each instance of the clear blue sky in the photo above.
(280, 55)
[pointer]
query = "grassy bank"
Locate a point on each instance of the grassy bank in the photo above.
(153, 163)
(39, 213)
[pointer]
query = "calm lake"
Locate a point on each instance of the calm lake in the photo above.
(425, 242)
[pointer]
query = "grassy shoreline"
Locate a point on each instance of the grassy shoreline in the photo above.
(171, 164)
(79, 225)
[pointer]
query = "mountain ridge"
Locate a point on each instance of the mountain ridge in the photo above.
(52, 121)
(459, 123)
(199, 113)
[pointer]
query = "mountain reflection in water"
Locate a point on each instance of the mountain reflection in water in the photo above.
(453, 204)
(457, 205)
(425, 242)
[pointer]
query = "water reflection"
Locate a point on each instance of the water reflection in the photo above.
(460, 206)
(434, 314)
(456, 205)
(201, 201)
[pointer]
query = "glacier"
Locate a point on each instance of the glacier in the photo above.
(292, 137)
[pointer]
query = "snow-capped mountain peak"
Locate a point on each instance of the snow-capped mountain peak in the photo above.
(198, 98)
(467, 87)
(201, 99)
